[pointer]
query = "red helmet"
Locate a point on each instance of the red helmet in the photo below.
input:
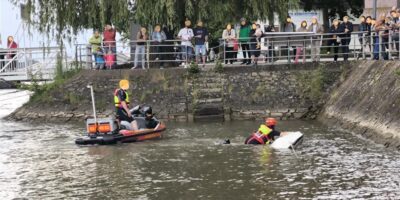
(270, 122)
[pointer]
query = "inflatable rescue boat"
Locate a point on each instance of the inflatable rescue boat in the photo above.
(290, 140)
(108, 131)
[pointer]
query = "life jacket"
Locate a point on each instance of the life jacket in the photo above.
(117, 102)
(258, 137)
(261, 136)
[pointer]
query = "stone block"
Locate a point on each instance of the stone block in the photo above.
(276, 114)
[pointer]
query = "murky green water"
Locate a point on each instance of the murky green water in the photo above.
(41, 161)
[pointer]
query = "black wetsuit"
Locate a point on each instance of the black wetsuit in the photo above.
(121, 113)
(151, 123)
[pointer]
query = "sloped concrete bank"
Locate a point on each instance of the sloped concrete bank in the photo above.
(237, 93)
(367, 102)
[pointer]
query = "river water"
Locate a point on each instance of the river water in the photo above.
(41, 161)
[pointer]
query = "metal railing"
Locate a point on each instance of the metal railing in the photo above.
(155, 53)
(27, 63)
(271, 48)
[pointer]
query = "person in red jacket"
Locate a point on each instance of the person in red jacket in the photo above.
(109, 41)
(11, 44)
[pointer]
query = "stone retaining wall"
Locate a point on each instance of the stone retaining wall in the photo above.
(282, 91)
(367, 102)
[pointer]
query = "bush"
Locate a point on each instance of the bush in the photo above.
(194, 68)
(42, 90)
(218, 68)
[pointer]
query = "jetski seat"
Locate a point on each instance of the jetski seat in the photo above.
(141, 122)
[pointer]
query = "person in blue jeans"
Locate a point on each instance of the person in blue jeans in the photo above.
(186, 35)
(200, 39)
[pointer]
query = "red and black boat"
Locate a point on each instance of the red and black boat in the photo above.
(108, 131)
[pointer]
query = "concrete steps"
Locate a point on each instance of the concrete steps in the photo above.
(209, 98)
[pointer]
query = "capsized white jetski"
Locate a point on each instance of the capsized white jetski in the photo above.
(288, 141)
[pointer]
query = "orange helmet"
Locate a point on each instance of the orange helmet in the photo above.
(270, 122)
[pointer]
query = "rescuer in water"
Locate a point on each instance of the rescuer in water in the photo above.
(266, 134)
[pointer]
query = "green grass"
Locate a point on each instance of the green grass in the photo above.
(42, 92)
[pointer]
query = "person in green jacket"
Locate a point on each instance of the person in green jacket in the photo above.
(95, 42)
(244, 39)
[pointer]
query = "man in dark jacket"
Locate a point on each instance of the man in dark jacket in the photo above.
(394, 25)
(290, 27)
(347, 28)
(362, 36)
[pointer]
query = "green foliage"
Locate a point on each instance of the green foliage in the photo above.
(218, 68)
(313, 84)
(62, 18)
(67, 17)
(215, 13)
(194, 68)
(398, 72)
(336, 7)
(42, 90)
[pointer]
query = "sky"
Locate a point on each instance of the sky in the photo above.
(12, 25)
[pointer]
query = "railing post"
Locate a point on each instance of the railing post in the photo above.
(272, 51)
(380, 45)
(288, 50)
(363, 46)
(76, 54)
(147, 54)
(224, 50)
(80, 57)
(372, 37)
(390, 46)
(354, 49)
(89, 57)
(398, 44)
(313, 57)
(304, 50)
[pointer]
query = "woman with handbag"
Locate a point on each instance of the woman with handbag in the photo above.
(335, 40)
(229, 37)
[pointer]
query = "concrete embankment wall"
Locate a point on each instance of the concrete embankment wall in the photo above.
(283, 91)
(367, 102)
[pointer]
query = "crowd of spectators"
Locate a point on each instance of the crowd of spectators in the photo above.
(376, 37)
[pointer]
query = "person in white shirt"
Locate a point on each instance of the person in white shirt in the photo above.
(186, 35)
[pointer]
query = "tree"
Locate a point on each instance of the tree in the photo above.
(334, 8)
(67, 17)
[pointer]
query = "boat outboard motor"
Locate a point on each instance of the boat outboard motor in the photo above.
(136, 111)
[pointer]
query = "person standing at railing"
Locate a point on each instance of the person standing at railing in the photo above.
(289, 27)
(347, 28)
(255, 42)
(200, 40)
(95, 42)
(335, 40)
(363, 28)
(317, 29)
(395, 25)
(158, 37)
(11, 44)
(368, 40)
(299, 50)
(229, 36)
(186, 35)
(244, 39)
(140, 51)
(379, 28)
(109, 41)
